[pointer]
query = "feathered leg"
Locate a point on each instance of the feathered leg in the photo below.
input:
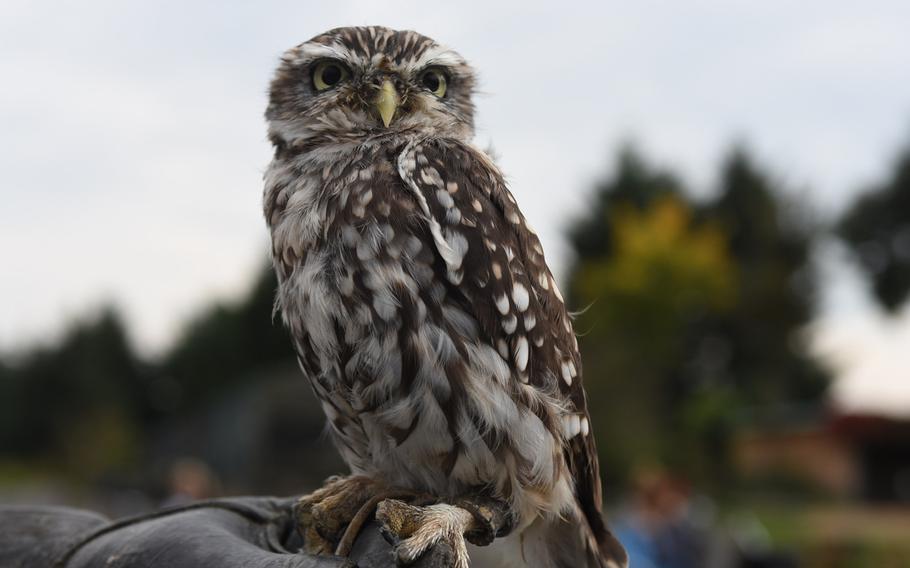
(416, 529)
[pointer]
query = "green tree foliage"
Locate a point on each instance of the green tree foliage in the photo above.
(87, 406)
(877, 228)
(636, 184)
(689, 312)
(770, 242)
(12, 409)
(80, 401)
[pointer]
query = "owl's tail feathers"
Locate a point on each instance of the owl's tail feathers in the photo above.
(570, 543)
(611, 552)
(604, 544)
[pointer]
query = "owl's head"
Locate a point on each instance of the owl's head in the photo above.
(351, 84)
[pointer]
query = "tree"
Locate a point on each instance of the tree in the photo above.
(770, 241)
(227, 342)
(80, 402)
(877, 228)
(688, 312)
(635, 184)
(87, 407)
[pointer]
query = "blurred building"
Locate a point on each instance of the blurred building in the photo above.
(860, 455)
(263, 436)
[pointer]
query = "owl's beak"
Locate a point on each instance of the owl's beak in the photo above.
(387, 102)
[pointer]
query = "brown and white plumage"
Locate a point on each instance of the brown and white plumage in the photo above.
(418, 298)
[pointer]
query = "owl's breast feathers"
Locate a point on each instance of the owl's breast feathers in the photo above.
(431, 328)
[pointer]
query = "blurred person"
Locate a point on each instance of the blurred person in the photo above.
(190, 479)
(660, 529)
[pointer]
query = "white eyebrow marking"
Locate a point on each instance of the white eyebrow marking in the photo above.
(309, 52)
(438, 55)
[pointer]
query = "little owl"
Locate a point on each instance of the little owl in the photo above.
(423, 313)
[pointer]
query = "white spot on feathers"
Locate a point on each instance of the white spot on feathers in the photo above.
(430, 176)
(585, 426)
(444, 198)
(521, 353)
(566, 374)
(458, 246)
(520, 296)
(387, 231)
(364, 250)
(510, 324)
(571, 426)
(413, 246)
(385, 306)
(503, 348)
(453, 216)
(346, 284)
(349, 236)
(544, 280)
(502, 304)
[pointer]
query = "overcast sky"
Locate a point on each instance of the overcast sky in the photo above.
(132, 141)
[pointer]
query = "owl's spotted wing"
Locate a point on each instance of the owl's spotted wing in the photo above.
(495, 263)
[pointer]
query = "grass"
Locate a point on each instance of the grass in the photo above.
(839, 535)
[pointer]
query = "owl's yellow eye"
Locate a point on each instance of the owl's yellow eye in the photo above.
(434, 81)
(327, 74)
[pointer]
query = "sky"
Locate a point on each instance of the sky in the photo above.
(132, 143)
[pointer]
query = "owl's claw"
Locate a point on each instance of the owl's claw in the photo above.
(324, 515)
(417, 529)
(330, 518)
(414, 530)
(493, 518)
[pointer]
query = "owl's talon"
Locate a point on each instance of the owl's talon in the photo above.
(389, 535)
(493, 518)
(324, 515)
(420, 528)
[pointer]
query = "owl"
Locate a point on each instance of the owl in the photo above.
(423, 313)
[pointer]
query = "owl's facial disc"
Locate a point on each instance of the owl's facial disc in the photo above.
(351, 84)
